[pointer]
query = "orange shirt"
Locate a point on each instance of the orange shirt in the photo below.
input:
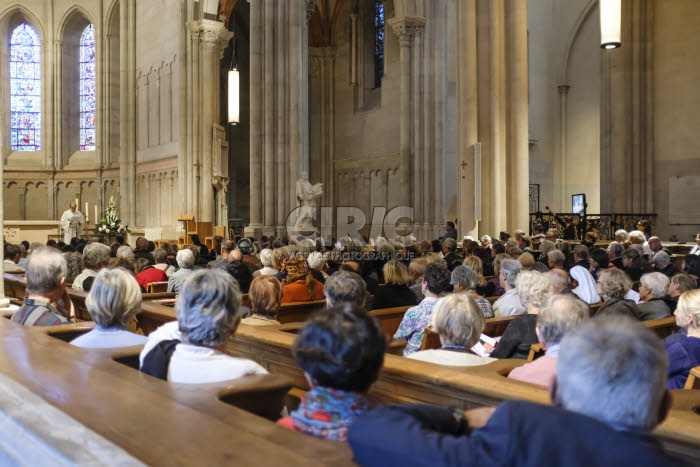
(297, 292)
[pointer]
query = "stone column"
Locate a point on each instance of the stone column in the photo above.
(518, 156)
(184, 115)
(405, 28)
(560, 161)
(22, 191)
(123, 112)
(213, 39)
(323, 69)
(256, 77)
(627, 124)
(499, 180)
(132, 113)
(467, 111)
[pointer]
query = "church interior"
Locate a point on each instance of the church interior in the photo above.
(480, 112)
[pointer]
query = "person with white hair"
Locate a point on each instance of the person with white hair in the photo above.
(316, 262)
(266, 258)
(125, 251)
(208, 310)
(615, 250)
(604, 409)
(612, 286)
(185, 259)
(459, 322)
(559, 316)
(508, 304)
(652, 290)
(47, 303)
(533, 289)
(113, 301)
(95, 257)
(486, 242)
(621, 236)
(464, 280)
(637, 238)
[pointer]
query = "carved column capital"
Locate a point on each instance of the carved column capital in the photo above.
(309, 7)
(563, 89)
(406, 27)
(214, 35)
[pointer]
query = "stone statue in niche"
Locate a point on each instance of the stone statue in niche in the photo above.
(306, 196)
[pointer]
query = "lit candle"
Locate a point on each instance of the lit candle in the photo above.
(95, 214)
(86, 212)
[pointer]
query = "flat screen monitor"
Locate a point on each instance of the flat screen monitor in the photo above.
(578, 203)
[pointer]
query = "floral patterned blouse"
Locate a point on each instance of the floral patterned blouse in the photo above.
(413, 324)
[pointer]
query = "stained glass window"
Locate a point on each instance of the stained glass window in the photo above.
(87, 89)
(378, 43)
(25, 89)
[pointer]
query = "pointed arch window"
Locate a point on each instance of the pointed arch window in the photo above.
(378, 43)
(87, 89)
(25, 89)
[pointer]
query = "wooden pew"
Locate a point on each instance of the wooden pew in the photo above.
(299, 311)
(15, 285)
(156, 422)
(662, 327)
(693, 381)
(408, 381)
(389, 318)
(157, 287)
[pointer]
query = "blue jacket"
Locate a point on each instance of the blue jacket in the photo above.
(517, 434)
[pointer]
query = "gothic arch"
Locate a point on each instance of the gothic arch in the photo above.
(76, 12)
(580, 21)
(11, 17)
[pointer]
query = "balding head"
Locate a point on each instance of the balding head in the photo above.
(560, 280)
(73, 206)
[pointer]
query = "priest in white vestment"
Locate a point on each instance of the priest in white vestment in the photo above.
(72, 222)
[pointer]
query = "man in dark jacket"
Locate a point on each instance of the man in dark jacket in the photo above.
(604, 409)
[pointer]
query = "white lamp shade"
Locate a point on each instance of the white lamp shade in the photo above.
(610, 23)
(234, 97)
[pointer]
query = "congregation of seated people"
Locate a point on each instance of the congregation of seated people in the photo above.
(559, 294)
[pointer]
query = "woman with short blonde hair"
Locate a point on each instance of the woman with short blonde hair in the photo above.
(395, 291)
(113, 301)
(684, 354)
(459, 322)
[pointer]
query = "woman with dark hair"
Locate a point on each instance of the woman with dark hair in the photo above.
(299, 284)
(645, 227)
(435, 284)
(341, 352)
(634, 264)
(242, 274)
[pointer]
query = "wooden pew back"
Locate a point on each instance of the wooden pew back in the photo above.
(185, 424)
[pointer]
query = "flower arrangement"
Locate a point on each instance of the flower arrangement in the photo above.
(110, 223)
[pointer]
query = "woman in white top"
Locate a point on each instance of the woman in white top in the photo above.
(113, 301)
(208, 313)
(459, 322)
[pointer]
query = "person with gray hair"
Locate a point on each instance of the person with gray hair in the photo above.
(113, 302)
(95, 257)
(47, 303)
(604, 408)
(160, 256)
(559, 316)
(613, 285)
(459, 322)
(449, 249)
(615, 250)
(74, 261)
(208, 313)
(662, 263)
(621, 236)
(185, 259)
(652, 290)
(509, 303)
(345, 287)
(227, 246)
(464, 280)
(266, 258)
(556, 259)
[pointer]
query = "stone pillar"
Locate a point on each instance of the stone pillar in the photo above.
(256, 77)
(22, 191)
(560, 161)
(627, 124)
(132, 113)
(279, 116)
(467, 111)
(184, 116)
(213, 39)
(405, 28)
(323, 69)
(518, 153)
(123, 112)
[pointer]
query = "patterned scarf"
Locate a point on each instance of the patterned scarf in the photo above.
(326, 413)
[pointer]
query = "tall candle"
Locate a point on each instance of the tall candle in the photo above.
(86, 211)
(95, 214)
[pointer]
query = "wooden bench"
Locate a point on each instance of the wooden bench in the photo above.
(158, 423)
(299, 311)
(157, 287)
(662, 327)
